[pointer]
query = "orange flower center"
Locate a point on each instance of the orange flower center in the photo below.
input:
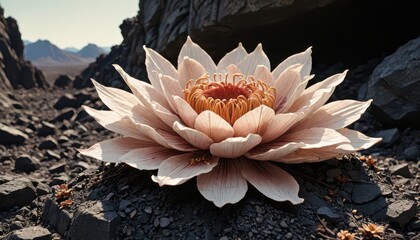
(230, 100)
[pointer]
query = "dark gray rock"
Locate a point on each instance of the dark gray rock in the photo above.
(66, 101)
(332, 173)
(394, 86)
(59, 179)
(94, 220)
(329, 214)
(10, 135)
(57, 168)
(66, 114)
(52, 155)
(164, 222)
(412, 153)
(16, 192)
(51, 212)
(26, 163)
(46, 129)
(402, 211)
(401, 170)
(375, 209)
(48, 143)
(30, 233)
(389, 136)
(363, 193)
(63, 80)
(64, 221)
(42, 189)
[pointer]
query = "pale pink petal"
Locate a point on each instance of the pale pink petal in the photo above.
(179, 169)
(335, 115)
(250, 62)
(185, 111)
(291, 99)
(235, 146)
(114, 122)
(162, 112)
(166, 139)
(233, 57)
(303, 58)
(229, 74)
(254, 121)
(192, 50)
(143, 90)
(317, 154)
(271, 181)
(213, 126)
(143, 115)
(194, 137)
(271, 152)
(189, 69)
(279, 124)
(315, 137)
(148, 158)
(155, 63)
(286, 85)
(170, 89)
(358, 140)
(224, 184)
(116, 99)
(326, 87)
(262, 73)
(111, 150)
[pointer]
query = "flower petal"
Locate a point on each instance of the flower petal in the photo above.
(189, 69)
(114, 122)
(235, 146)
(170, 88)
(262, 73)
(335, 115)
(155, 63)
(286, 85)
(179, 169)
(116, 99)
(326, 87)
(290, 99)
(165, 139)
(279, 124)
(194, 137)
(143, 90)
(185, 111)
(147, 158)
(272, 152)
(303, 58)
(315, 137)
(271, 181)
(254, 121)
(224, 184)
(192, 50)
(317, 154)
(213, 126)
(233, 57)
(111, 150)
(358, 140)
(250, 62)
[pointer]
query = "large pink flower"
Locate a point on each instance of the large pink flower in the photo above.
(225, 124)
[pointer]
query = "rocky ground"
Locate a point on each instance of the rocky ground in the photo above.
(49, 191)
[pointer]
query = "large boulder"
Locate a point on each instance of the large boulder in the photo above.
(394, 86)
(14, 70)
(283, 26)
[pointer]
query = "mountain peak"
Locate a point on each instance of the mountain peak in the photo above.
(91, 50)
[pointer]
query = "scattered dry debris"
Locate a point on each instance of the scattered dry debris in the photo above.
(345, 235)
(63, 194)
(372, 230)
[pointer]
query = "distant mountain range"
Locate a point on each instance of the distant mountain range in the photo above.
(43, 52)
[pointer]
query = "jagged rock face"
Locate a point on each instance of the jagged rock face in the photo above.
(394, 86)
(284, 27)
(14, 70)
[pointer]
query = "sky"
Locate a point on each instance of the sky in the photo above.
(71, 23)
